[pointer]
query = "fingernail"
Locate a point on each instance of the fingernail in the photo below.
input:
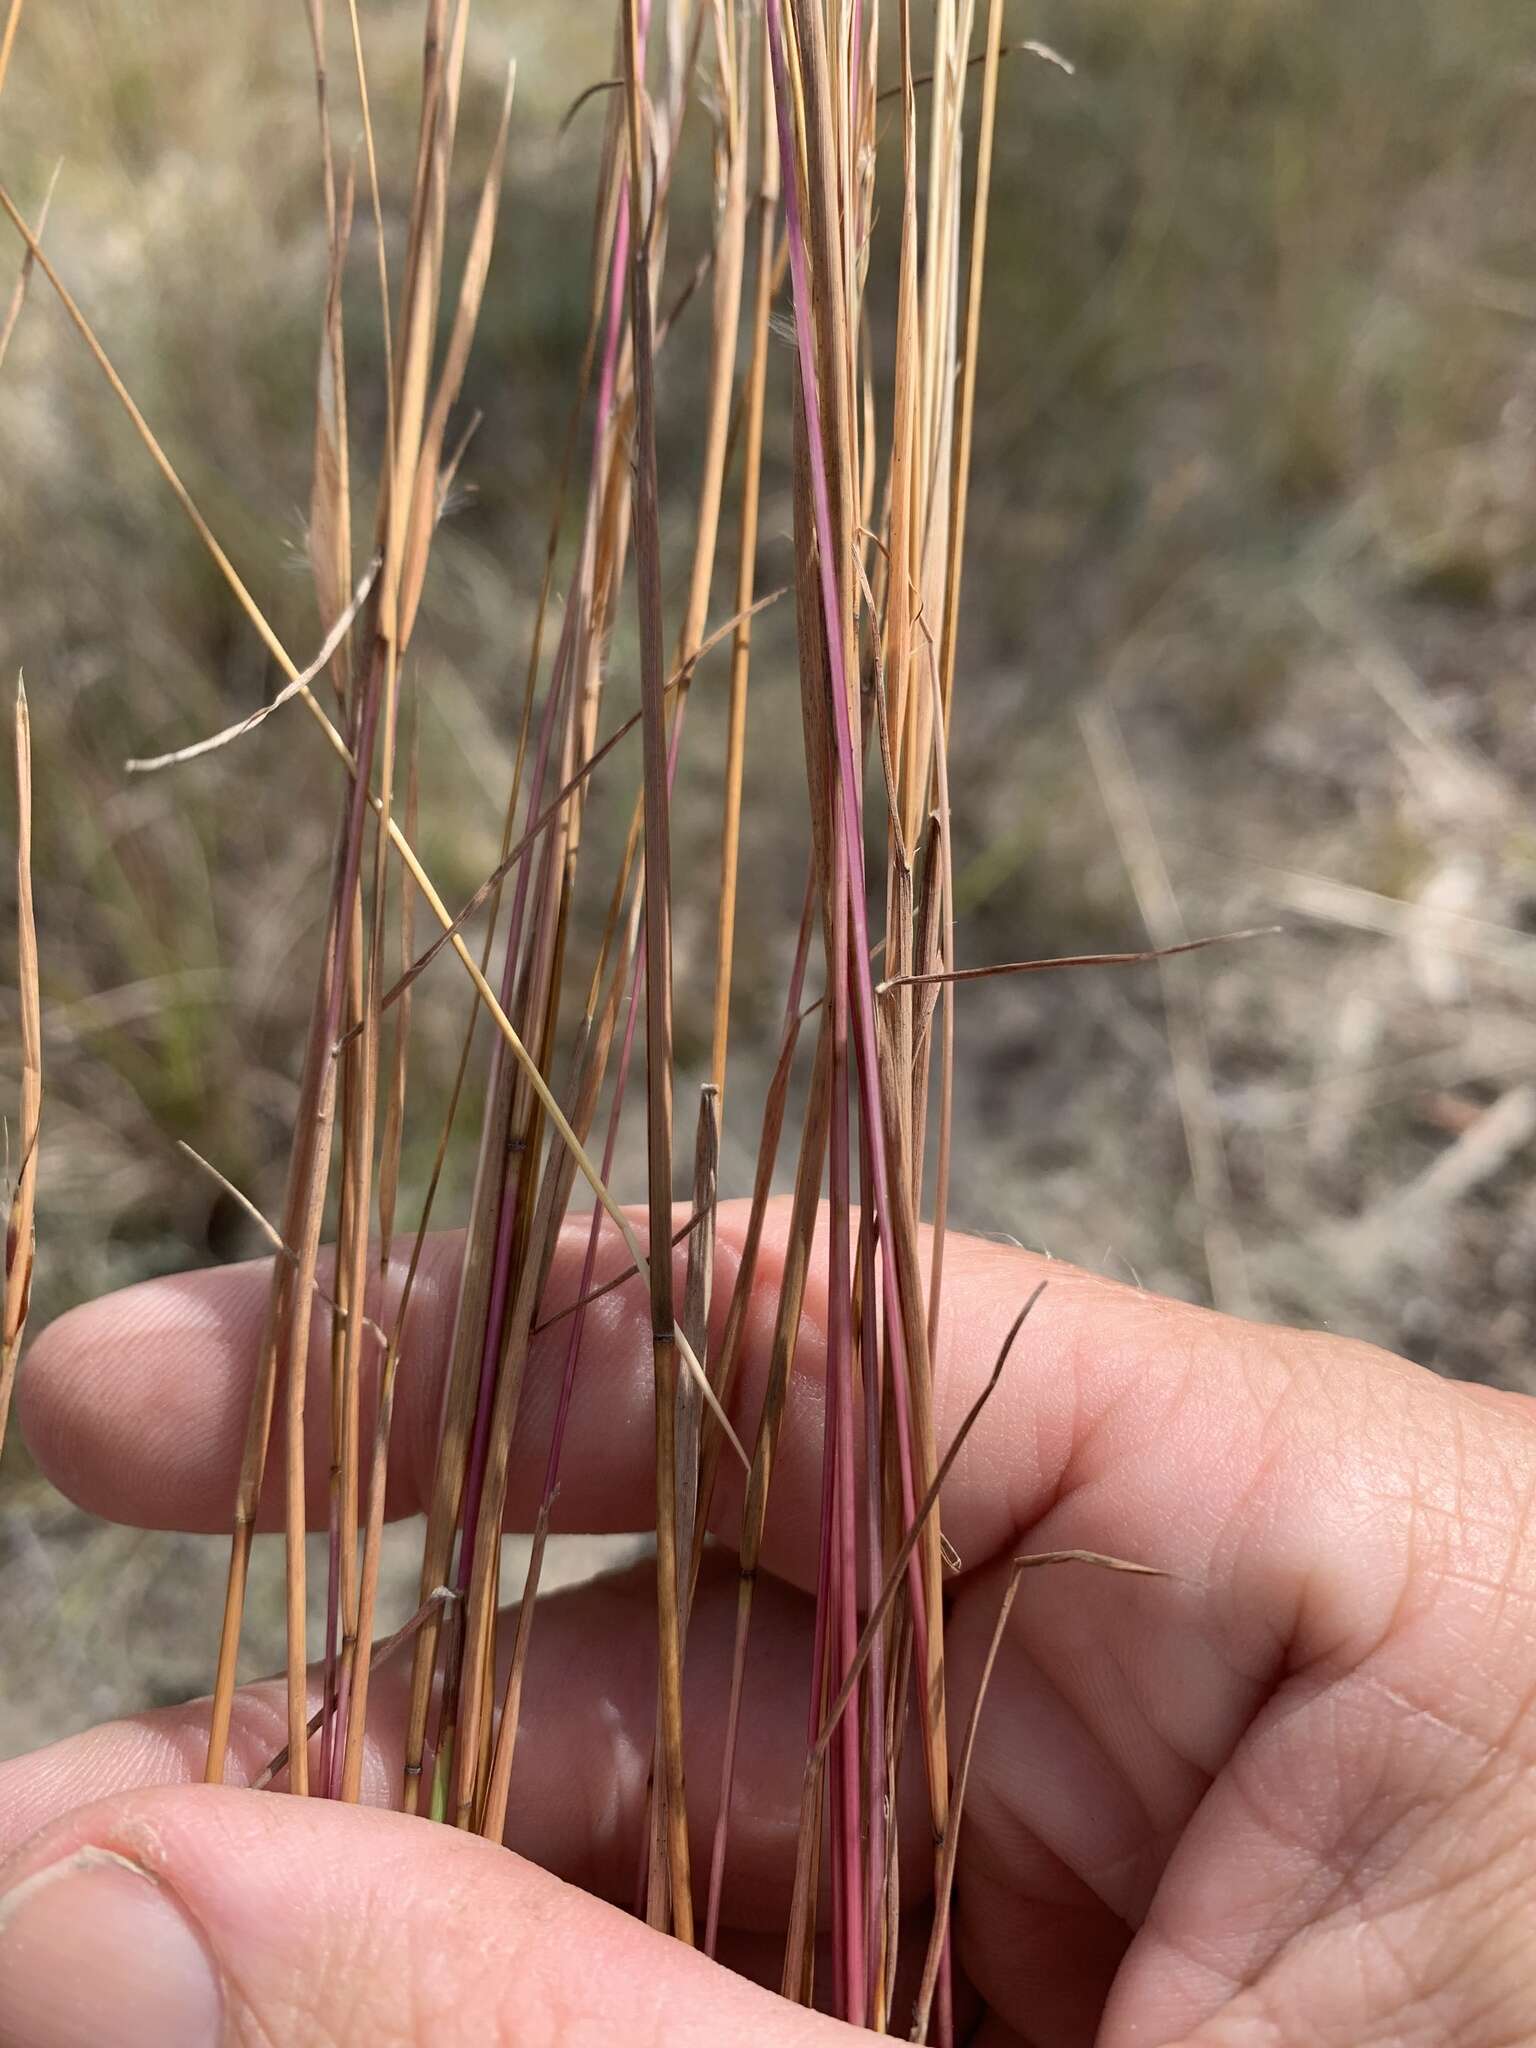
(94, 1954)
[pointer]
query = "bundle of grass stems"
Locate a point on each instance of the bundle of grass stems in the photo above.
(800, 99)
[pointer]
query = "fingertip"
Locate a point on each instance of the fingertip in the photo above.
(132, 1405)
(136, 1405)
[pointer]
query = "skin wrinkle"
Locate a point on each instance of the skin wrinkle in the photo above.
(1029, 1493)
(1060, 1696)
(428, 1933)
(1052, 1888)
(1420, 1826)
(1090, 1430)
(1504, 1844)
(1477, 2017)
(1078, 1486)
(1340, 1856)
(1373, 1923)
(1326, 1633)
(1078, 1479)
(1050, 1704)
(1162, 1833)
(1354, 1889)
(1296, 1840)
(1353, 1892)
(1522, 1498)
(1265, 1501)
(1241, 1562)
(1374, 1939)
(1451, 1517)
(1523, 1719)
(1440, 1978)
(1425, 1601)
(1421, 1715)
(1330, 1587)
(1098, 1874)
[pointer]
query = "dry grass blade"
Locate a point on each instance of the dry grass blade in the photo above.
(316, 12)
(24, 275)
(896, 1572)
(945, 976)
(425, 496)
(8, 39)
(1027, 46)
(697, 1289)
(357, 1671)
(584, 98)
(746, 567)
(619, 937)
(20, 1229)
(360, 69)
(534, 832)
(394, 1108)
(821, 336)
(1225, 1259)
(797, 1253)
(292, 1298)
(330, 496)
(962, 456)
(775, 1104)
(437, 1541)
(402, 846)
(926, 1506)
(271, 1233)
(611, 1285)
(658, 1024)
(727, 255)
(144, 765)
(945, 1883)
(940, 943)
(253, 1457)
(382, 1654)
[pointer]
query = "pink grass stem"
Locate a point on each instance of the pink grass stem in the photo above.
(839, 1530)
(874, 1804)
(848, 794)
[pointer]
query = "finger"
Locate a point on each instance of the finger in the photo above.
(189, 1916)
(136, 1405)
(580, 1778)
(1158, 1419)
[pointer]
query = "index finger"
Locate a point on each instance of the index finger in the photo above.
(135, 1405)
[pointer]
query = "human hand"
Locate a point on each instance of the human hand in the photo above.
(1286, 1794)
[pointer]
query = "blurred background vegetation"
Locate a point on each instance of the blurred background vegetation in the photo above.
(1249, 639)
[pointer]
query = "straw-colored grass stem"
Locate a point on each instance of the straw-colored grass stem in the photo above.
(21, 1227)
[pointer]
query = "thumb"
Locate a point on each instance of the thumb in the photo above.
(199, 1917)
